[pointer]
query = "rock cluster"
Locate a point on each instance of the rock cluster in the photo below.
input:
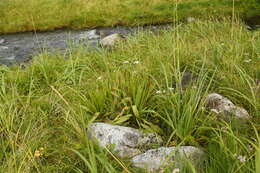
(146, 151)
(135, 144)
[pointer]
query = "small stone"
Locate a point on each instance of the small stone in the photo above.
(223, 106)
(136, 62)
(111, 40)
(90, 35)
(3, 48)
(173, 157)
(125, 141)
(190, 19)
(2, 41)
(188, 79)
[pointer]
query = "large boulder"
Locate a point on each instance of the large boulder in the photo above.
(169, 157)
(110, 40)
(223, 106)
(124, 141)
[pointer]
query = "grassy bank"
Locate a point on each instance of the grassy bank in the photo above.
(30, 15)
(46, 108)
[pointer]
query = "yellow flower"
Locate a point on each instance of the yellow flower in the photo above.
(37, 153)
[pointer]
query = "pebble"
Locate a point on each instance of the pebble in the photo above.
(2, 41)
(3, 48)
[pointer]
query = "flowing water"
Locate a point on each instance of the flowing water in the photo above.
(21, 47)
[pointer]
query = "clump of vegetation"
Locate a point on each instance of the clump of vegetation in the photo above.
(47, 107)
(31, 15)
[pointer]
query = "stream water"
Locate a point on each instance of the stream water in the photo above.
(21, 47)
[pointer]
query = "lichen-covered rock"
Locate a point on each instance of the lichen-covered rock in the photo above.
(223, 106)
(125, 141)
(111, 40)
(173, 157)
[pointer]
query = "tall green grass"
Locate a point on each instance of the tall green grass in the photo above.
(46, 108)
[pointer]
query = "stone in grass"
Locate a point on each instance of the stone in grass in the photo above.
(169, 157)
(110, 40)
(188, 79)
(223, 106)
(125, 141)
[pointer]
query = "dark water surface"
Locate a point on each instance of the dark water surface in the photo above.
(21, 47)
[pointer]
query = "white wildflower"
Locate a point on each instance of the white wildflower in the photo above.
(215, 111)
(158, 92)
(247, 60)
(250, 148)
(242, 159)
(222, 44)
(126, 62)
(99, 78)
(224, 129)
(136, 62)
(171, 89)
(176, 170)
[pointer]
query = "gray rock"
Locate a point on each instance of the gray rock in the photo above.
(223, 106)
(111, 40)
(3, 48)
(125, 141)
(2, 41)
(173, 157)
(188, 79)
(10, 58)
(90, 35)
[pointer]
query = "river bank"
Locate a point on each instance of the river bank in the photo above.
(43, 15)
